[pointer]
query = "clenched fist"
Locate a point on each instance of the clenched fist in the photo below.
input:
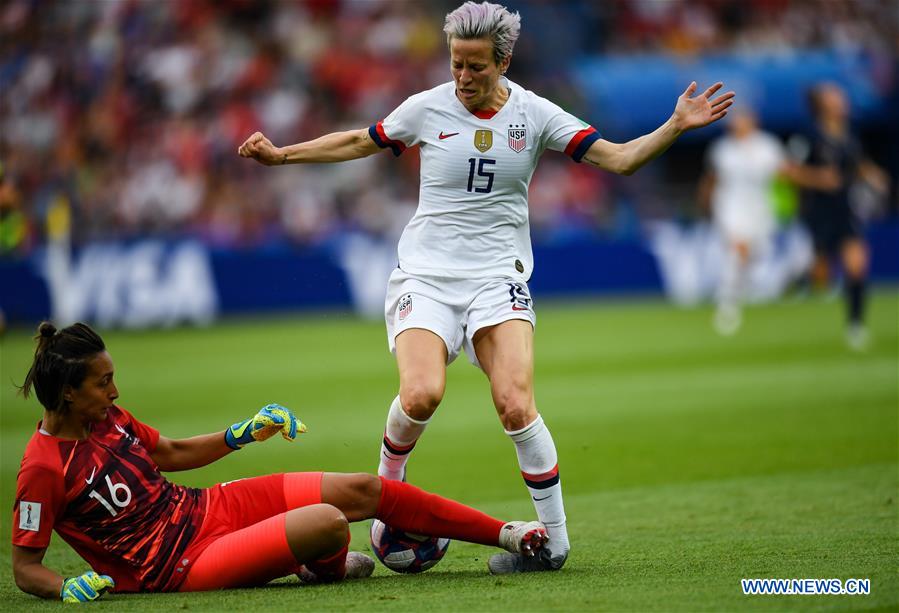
(262, 150)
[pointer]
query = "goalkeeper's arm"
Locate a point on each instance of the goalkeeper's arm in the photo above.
(183, 454)
(34, 578)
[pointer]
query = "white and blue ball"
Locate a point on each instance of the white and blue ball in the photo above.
(403, 552)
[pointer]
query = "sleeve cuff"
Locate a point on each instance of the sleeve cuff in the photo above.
(381, 140)
(581, 142)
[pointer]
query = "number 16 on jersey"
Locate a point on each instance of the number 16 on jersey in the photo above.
(115, 490)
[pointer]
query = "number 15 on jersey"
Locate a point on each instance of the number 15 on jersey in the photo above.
(479, 164)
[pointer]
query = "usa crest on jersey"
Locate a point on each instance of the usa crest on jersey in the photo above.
(517, 138)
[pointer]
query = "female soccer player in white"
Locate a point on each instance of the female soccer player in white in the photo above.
(465, 257)
(736, 186)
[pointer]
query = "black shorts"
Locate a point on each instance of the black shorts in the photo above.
(831, 227)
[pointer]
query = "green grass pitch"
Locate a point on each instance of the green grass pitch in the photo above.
(688, 461)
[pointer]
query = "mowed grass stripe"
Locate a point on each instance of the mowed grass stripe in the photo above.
(664, 548)
(666, 434)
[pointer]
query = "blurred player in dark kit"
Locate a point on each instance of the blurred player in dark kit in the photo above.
(836, 230)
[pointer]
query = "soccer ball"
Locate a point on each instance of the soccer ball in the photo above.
(403, 552)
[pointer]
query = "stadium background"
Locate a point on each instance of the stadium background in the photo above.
(690, 461)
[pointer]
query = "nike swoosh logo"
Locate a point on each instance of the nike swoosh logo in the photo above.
(91, 480)
(441, 136)
(539, 499)
(518, 308)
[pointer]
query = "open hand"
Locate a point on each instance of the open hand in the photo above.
(697, 112)
(269, 421)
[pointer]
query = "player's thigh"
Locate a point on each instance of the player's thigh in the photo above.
(421, 357)
(506, 346)
(240, 503)
(496, 302)
(418, 303)
(506, 354)
(237, 504)
(741, 248)
(266, 550)
(252, 555)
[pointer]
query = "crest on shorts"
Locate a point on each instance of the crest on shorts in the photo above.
(483, 140)
(405, 308)
(518, 138)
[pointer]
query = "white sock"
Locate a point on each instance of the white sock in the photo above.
(400, 436)
(733, 280)
(540, 469)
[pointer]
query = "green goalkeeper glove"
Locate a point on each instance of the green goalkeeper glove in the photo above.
(271, 419)
(86, 587)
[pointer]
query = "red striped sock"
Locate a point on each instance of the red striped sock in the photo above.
(414, 510)
(332, 568)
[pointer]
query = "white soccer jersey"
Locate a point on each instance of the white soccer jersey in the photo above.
(744, 169)
(472, 216)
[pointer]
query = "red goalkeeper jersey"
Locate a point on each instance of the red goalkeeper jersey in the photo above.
(107, 499)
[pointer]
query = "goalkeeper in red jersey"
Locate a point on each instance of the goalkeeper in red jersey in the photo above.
(93, 472)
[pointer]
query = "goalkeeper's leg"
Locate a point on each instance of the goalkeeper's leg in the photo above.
(315, 535)
(411, 509)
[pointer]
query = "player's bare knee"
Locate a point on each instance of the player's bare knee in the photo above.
(516, 420)
(366, 490)
(327, 521)
(368, 487)
(516, 415)
(515, 408)
(855, 260)
(421, 399)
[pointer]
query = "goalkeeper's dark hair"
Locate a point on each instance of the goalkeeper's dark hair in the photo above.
(60, 359)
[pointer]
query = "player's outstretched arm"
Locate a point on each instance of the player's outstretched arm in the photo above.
(691, 112)
(819, 178)
(335, 147)
(184, 454)
(34, 578)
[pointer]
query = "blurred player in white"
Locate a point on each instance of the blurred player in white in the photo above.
(741, 167)
(465, 257)
(737, 184)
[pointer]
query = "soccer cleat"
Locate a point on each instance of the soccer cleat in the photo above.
(523, 537)
(358, 566)
(508, 563)
(857, 337)
(728, 320)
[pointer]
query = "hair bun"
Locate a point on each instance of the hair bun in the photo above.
(47, 329)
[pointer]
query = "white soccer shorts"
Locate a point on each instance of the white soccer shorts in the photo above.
(453, 309)
(743, 224)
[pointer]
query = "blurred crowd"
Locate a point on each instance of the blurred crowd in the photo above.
(128, 113)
